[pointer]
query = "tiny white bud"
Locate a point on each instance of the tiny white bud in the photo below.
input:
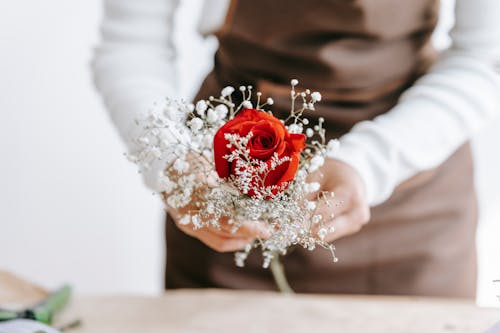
(221, 111)
(185, 220)
(310, 205)
(316, 218)
(247, 104)
(166, 184)
(195, 124)
(295, 129)
(211, 116)
(322, 232)
(181, 166)
(196, 221)
(315, 163)
(270, 101)
(294, 82)
(311, 187)
(332, 147)
(309, 132)
(316, 96)
(144, 140)
(227, 91)
(201, 107)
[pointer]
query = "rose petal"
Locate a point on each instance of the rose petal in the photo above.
(269, 137)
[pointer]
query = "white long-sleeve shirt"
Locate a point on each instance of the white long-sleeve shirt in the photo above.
(134, 66)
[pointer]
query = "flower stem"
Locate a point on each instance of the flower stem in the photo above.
(279, 275)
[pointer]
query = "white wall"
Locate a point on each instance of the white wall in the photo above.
(71, 207)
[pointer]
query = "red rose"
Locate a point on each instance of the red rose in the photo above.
(269, 136)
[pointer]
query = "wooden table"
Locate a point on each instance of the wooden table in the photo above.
(190, 311)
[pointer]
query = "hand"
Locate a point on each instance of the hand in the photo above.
(348, 211)
(223, 239)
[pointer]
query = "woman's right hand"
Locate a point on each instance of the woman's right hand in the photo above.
(222, 239)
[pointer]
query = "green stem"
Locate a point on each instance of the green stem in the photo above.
(279, 275)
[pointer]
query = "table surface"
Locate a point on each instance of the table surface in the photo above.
(199, 311)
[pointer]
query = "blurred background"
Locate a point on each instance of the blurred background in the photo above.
(72, 209)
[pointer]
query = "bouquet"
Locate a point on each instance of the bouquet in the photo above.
(239, 162)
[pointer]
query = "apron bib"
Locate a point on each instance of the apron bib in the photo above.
(361, 55)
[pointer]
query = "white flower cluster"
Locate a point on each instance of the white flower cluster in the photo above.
(181, 135)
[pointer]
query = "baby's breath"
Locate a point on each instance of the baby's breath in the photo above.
(181, 134)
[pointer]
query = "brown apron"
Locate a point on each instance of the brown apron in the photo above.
(361, 55)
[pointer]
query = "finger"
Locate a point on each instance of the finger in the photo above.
(340, 227)
(245, 230)
(248, 229)
(332, 208)
(218, 235)
(346, 224)
(342, 202)
(188, 229)
(229, 234)
(222, 244)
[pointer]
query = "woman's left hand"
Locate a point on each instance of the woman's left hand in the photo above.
(348, 211)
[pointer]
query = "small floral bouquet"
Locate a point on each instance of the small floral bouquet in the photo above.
(238, 162)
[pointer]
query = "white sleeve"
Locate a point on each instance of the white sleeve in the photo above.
(133, 65)
(459, 95)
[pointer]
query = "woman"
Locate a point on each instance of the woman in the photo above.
(403, 113)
